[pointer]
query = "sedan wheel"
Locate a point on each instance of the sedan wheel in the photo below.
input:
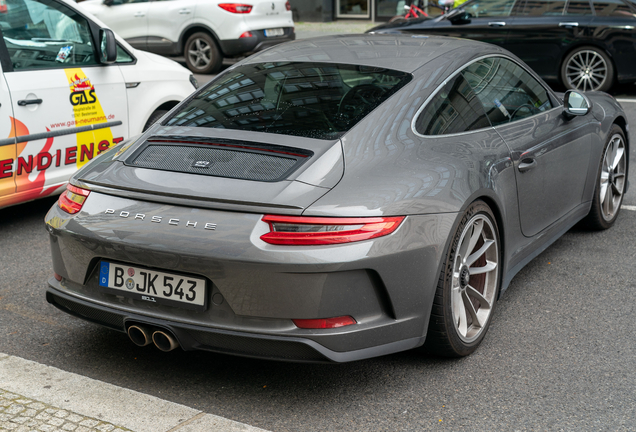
(610, 184)
(202, 55)
(587, 69)
(468, 288)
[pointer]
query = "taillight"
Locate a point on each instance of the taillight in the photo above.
(300, 230)
(72, 200)
(287, 6)
(237, 8)
(324, 323)
(246, 34)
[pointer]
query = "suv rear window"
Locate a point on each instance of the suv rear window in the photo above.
(314, 100)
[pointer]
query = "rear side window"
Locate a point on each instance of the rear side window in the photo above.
(578, 7)
(613, 8)
(506, 90)
(544, 8)
(489, 8)
(454, 109)
(314, 100)
(45, 34)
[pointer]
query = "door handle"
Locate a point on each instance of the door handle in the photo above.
(568, 24)
(527, 164)
(25, 102)
(184, 11)
(497, 23)
(140, 14)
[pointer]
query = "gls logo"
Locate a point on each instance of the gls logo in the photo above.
(83, 97)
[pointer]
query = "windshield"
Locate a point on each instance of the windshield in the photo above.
(315, 100)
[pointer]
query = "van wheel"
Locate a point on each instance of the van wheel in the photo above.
(154, 118)
(202, 55)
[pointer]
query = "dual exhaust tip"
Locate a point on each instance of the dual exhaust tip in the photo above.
(142, 336)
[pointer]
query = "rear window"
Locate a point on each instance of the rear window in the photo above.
(314, 100)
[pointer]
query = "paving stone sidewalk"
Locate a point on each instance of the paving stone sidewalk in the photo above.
(20, 414)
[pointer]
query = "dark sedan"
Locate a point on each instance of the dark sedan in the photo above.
(584, 44)
(336, 199)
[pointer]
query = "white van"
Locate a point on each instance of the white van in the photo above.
(69, 90)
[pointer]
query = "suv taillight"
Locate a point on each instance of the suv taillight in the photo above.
(72, 200)
(287, 6)
(309, 231)
(237, 8)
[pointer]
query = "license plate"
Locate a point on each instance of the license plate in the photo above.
(153, 286)
(274, 32)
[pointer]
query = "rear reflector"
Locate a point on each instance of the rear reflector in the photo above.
(57, 277)
(237, 8)
(246, 35)
(300, 230)
(72, 200)
(324, 323)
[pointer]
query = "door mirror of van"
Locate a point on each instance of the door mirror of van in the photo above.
(575, 104)
(107, 46)
(108, 2)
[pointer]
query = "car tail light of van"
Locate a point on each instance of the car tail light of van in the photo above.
(287, 6)
(237, 8)
(309, 231)
(72, 200)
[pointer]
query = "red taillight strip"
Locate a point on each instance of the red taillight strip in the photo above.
(66, 201)
(372, 227)
(237, 8)
(231, 145)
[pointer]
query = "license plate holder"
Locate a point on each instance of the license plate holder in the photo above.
(154, 286)
(274, 32)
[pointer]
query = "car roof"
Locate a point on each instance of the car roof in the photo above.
(405, 53)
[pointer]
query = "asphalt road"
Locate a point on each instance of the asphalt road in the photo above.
(560, 354)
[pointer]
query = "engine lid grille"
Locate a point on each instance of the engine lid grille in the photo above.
(239, 160)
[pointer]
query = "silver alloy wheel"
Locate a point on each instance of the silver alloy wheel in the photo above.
(475, 277)
(586, 70)
(199, 52)
(612, 177)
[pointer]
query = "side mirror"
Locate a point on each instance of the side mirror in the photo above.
(458, 16)
(576, 104)
(107, 46)
(109, 2)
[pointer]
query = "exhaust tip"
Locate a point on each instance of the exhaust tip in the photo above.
(164, 341)
(139, 335)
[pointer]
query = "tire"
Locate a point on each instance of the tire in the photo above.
(610, 183)
(587, 69)
(464, 303)
(154, 118)
(201, 54)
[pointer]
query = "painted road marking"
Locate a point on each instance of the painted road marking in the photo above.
(626, 100)
(107, 402)
(628, 207)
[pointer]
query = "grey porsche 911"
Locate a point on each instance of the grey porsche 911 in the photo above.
(335, 199)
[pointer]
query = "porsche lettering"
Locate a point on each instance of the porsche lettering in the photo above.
(159, 219)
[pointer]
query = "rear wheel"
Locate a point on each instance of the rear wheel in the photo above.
(610, 183)
(468, 286)
(201, 54)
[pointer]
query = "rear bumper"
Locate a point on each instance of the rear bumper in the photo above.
(192, 337)
(258, 42)
(254, 289)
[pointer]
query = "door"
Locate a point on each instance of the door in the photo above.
(166, 21)
(483, 20)
(551, 155)
(127, 18)
(67, 107)
(7, 146)
(544, 30)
